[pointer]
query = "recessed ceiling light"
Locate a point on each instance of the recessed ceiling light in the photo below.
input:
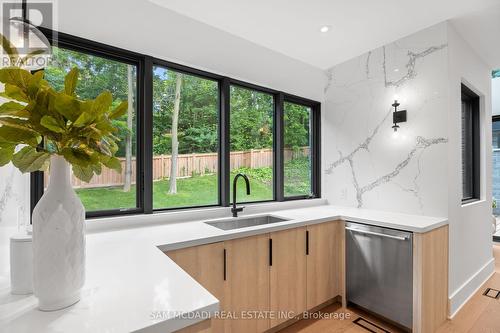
(325, 28)
(396, 69)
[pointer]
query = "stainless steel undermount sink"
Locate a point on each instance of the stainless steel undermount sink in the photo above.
(245, 222)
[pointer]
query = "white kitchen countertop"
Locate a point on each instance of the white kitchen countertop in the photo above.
(131, 285)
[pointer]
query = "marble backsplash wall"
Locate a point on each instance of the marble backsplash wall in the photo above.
(365, 163)
(14, 197)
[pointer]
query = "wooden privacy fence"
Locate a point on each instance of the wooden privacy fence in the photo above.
(187, 166)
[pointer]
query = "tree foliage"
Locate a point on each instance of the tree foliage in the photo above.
(297, 126)
(251, 125)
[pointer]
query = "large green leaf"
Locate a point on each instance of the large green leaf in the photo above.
(77, 156)
(12, 109)
(19, 123)
(67, 106)
(18, 135)
(29, 160)
(96, 168)
(15, 76)
(70, 81)
(119, 111)
(83, 120)
(106, 126)
(14, 92)
(52, 124)
(6, 153)
(83, 173)
(103, 102)
(113, 163)
(35, 83)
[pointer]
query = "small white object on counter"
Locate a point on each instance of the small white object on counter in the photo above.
(132, 286)
(21, 264)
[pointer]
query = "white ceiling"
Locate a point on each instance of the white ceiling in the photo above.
(292, 27)
(481, 30)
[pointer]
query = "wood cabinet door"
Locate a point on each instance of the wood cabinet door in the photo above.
(247, 283)
(324, 262)
(205, 263)
(288, 274)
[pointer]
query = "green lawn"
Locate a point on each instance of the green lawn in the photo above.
(194, 191)
(202, 190)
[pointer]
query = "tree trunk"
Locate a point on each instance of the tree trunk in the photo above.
(175, 141)
(128, 139)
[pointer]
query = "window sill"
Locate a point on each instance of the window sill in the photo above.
(197, 214)
(470, 202)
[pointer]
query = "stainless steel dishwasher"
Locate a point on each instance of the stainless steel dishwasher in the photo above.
(379, 271)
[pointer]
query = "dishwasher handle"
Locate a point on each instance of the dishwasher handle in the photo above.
(402, 238)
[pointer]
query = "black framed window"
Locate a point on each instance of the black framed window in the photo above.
(470, 145)
(102, 68)
(185, 140)
(202, 126)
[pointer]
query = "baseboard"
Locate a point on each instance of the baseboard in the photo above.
(462, 295)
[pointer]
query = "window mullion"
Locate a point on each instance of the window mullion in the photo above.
(147, 144)
(316, 151)
(278, 147)
(224, 143)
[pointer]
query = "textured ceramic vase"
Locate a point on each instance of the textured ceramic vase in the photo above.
(58, 241)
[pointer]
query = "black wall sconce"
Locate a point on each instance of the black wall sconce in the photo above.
(397, 116)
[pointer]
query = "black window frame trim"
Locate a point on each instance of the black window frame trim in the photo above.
(144, 149)
(94, 48)
(315, 146)
(168, 65)
(469, 95)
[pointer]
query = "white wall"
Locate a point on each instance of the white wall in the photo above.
(495, 96)
(365, 165)
(147, 28)
(471, 260)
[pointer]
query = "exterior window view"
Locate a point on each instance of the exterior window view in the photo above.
(109, 190)
(297, 152)
(186, 137)
(185, 140)
(251, 140)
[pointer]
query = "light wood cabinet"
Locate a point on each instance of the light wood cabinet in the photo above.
(324, 262)
(247, 283)
(430, 279)
(268, 272)
(205, 263)
(288, 274)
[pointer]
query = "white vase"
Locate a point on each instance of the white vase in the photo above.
(58, 241)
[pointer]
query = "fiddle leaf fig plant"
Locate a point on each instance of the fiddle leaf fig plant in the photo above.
(80, 130)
